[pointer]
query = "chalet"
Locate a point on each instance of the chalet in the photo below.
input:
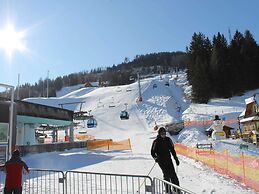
(91, 84)
(249, 119)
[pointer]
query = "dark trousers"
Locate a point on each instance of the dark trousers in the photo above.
(13, 190)
(168, 170)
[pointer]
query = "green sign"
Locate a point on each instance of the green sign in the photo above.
(3, 132)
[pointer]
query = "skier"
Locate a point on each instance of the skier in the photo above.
(13, 169)
(161, 151)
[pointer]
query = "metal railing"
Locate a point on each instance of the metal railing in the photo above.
(161, 186)
(98, 183)
(40, 181)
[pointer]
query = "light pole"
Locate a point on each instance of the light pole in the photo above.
(139, 89)
(18, 87)
(48, 84)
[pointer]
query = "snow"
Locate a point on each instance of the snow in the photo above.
(162, 105)
(66, 90)
(254, 118)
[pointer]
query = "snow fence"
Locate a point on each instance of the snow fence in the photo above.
(108, 144)
(243, 168)
(207, 122)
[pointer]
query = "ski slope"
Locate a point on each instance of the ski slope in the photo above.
(163, 104)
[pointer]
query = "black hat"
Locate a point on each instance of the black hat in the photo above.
(216, 117)
(161, 130)
(16, 153)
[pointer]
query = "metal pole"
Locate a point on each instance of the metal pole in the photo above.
(139, 89)
(145, 178)
(48, 84)
(43, 95)
(11, 122)
(18, 87)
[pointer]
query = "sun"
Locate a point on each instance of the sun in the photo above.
(11, 40)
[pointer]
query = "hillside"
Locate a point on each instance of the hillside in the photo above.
(119, 74)
(160, 105)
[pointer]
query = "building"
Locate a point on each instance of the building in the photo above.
(249, 119)
(28, 118)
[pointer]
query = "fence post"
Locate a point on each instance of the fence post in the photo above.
(227, 162)
(65, 183)
(129, 144)
(153, 186)
(243, 164)
(214, 159)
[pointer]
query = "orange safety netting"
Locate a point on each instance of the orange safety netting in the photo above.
(108, 145)
(84, 137)
(243, 168)
(208, 122)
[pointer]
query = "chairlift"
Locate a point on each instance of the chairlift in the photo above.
(131, 78)
(91, 123)
(124, 115)
(111, 105)
(128, 89)
(118, 89)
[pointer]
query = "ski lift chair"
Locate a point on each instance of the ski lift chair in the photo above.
(124, 115)
(91, 123)
(128, 89)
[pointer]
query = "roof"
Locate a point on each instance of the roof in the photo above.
(254, 118)
(94, 84)
(43, 111)
(250, 100)
(24, 108)
(242, 113)
(255, 132)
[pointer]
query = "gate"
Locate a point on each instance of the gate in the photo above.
(104, 183)
(40, 181)
(162, 186)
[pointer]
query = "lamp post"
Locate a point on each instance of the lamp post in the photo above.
(48, 84)
(139, 89)
(18, 87)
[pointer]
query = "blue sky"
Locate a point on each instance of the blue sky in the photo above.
(64, 36)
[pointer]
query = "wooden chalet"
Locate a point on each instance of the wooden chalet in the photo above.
(91, 84)
(249, 119)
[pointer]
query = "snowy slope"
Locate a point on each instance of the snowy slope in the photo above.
(162, 105)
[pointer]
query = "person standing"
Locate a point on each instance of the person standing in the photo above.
(161, 151)
(14, 169)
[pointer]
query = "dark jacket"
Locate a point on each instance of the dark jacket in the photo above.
(162, 148)
(13, 169)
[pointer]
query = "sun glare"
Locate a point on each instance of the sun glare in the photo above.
(10, 40)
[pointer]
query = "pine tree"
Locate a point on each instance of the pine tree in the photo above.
(198, 67)
(249, 53)
(218, 66)
(237, 75)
